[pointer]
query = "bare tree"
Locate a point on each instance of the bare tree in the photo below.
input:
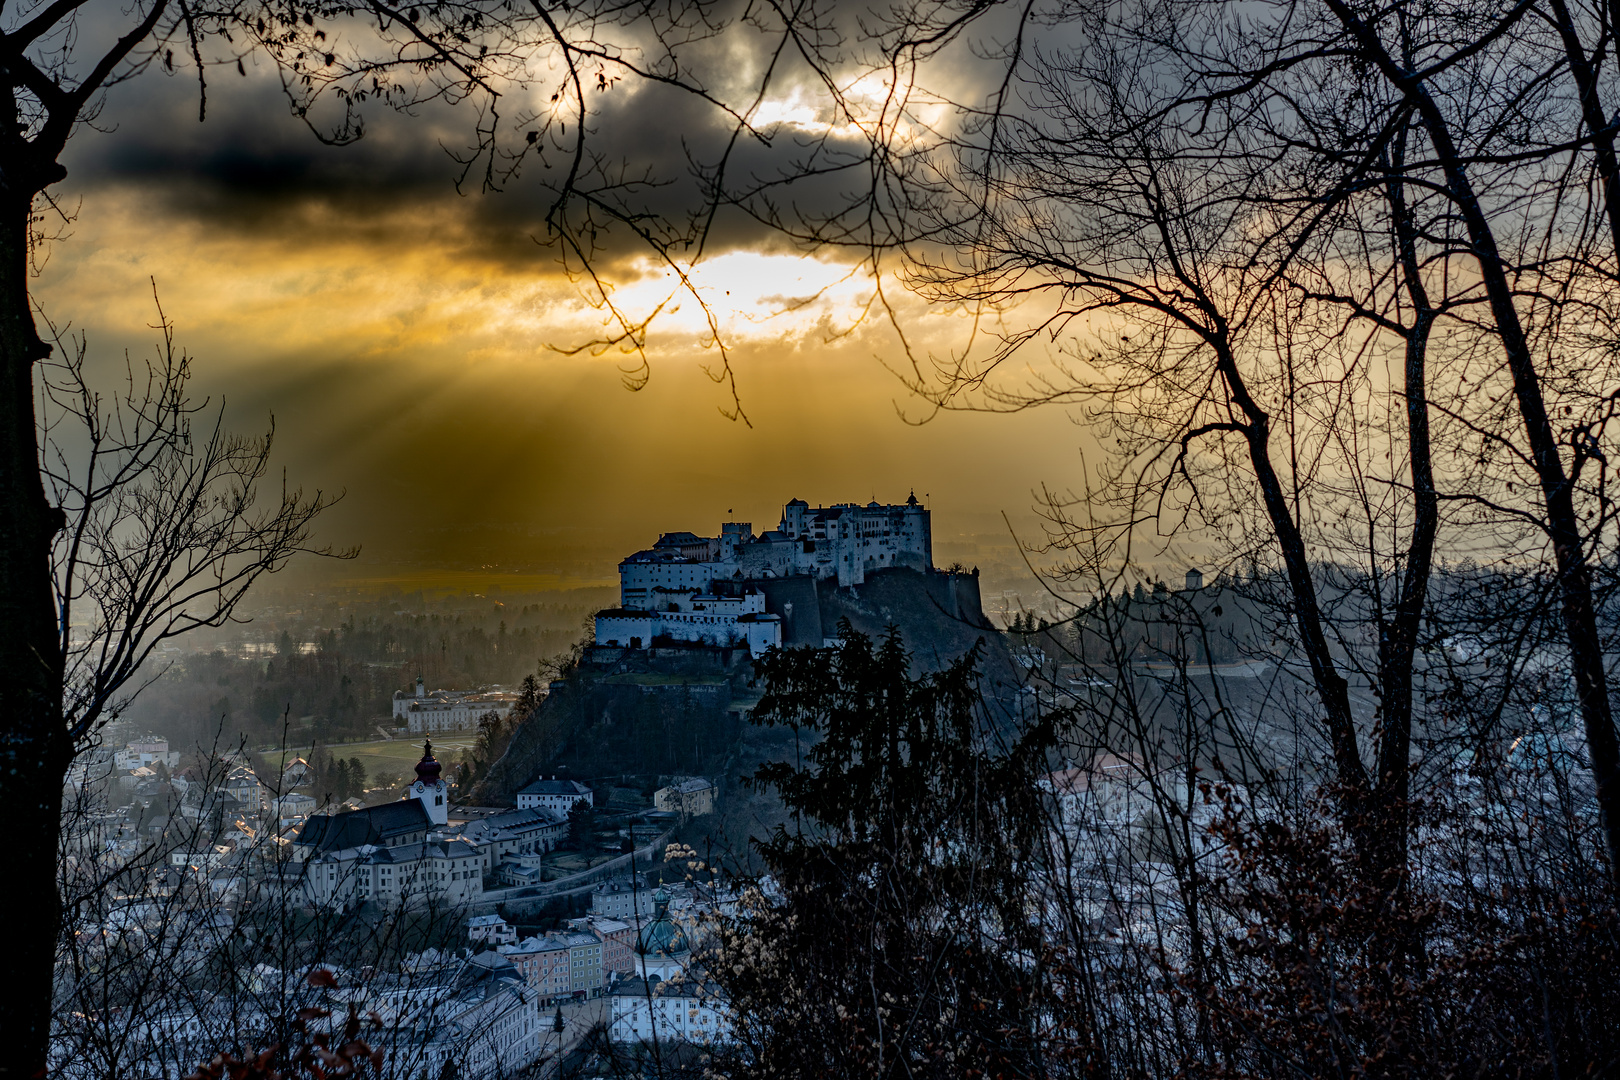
(334, 61)
(1262, 241)
(166, 527)
(164, 530)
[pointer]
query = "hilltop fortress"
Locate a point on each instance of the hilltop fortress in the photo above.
(734, 589)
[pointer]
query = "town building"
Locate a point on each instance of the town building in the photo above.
(298, 773)
(293, 807)
(407, 853)
(515, 837)
(695, 617)
(448, 710)
(558, 796)
(429, 788)
(543, 962)
(560, 965)
(494, 1032)
(690, 798)
(146, 751)
(630, 900)
(244, 786)
(483, 1023)
(655, 1010)
(447, 873)
(663, 948)
(491, 930)
(584, 963)
(394, 824)
(618, 940)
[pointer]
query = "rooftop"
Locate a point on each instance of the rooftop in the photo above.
(555, 787)
(371, 825)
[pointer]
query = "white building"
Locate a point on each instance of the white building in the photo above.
(294, 806)
(694, 617)
(146, 751)
(493, 1035)
(483, 1023)
(243, 785)
(668, 1010)
(558, 796)
(448, 710)
(844, 541)
(689, 798)
(405, 853)
(491, 928)
(630, 899)
(445, 873)
(693, 588)
(664, 568)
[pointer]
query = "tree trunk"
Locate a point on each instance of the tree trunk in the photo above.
(1398, 636)
(33, 751)
(1557, 489)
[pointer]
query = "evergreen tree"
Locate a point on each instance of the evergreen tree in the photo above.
(895, 949)
(581, 825)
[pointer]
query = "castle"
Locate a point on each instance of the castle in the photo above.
(712, 590)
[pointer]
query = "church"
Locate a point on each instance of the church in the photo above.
(409, 853)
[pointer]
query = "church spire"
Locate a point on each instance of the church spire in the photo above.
(429, 786)
(428, 769)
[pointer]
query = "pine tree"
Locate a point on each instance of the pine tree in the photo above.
(341, 781)
(904, 881)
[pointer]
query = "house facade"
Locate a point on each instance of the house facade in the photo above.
(407, 853)
(668, 1010)
(558, 796)
(427, 712)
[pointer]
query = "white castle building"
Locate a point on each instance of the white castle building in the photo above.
(448, 710)
(695, 588)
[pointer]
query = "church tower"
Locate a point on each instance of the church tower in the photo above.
(429, 787)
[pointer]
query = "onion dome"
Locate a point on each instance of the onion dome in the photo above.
(427, 770)
(662, 938)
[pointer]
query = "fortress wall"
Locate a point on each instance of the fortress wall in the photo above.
(797, 601)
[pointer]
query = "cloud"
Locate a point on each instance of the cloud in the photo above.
(255, 169)
(400, 330)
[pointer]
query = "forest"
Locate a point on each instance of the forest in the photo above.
(328, 675)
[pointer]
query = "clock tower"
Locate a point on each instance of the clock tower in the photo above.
(429, 787)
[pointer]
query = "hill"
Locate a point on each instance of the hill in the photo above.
(681, 708)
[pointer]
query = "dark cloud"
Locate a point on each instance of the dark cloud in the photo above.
(256, 168)
(460, 439)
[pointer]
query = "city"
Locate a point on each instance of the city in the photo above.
(705, 540)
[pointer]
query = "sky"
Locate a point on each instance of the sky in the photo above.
(410, 342)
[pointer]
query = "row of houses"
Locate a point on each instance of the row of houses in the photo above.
(472, 1017)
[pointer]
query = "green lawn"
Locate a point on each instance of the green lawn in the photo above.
(396, 756)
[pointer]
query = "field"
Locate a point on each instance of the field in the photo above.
(391, 756)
